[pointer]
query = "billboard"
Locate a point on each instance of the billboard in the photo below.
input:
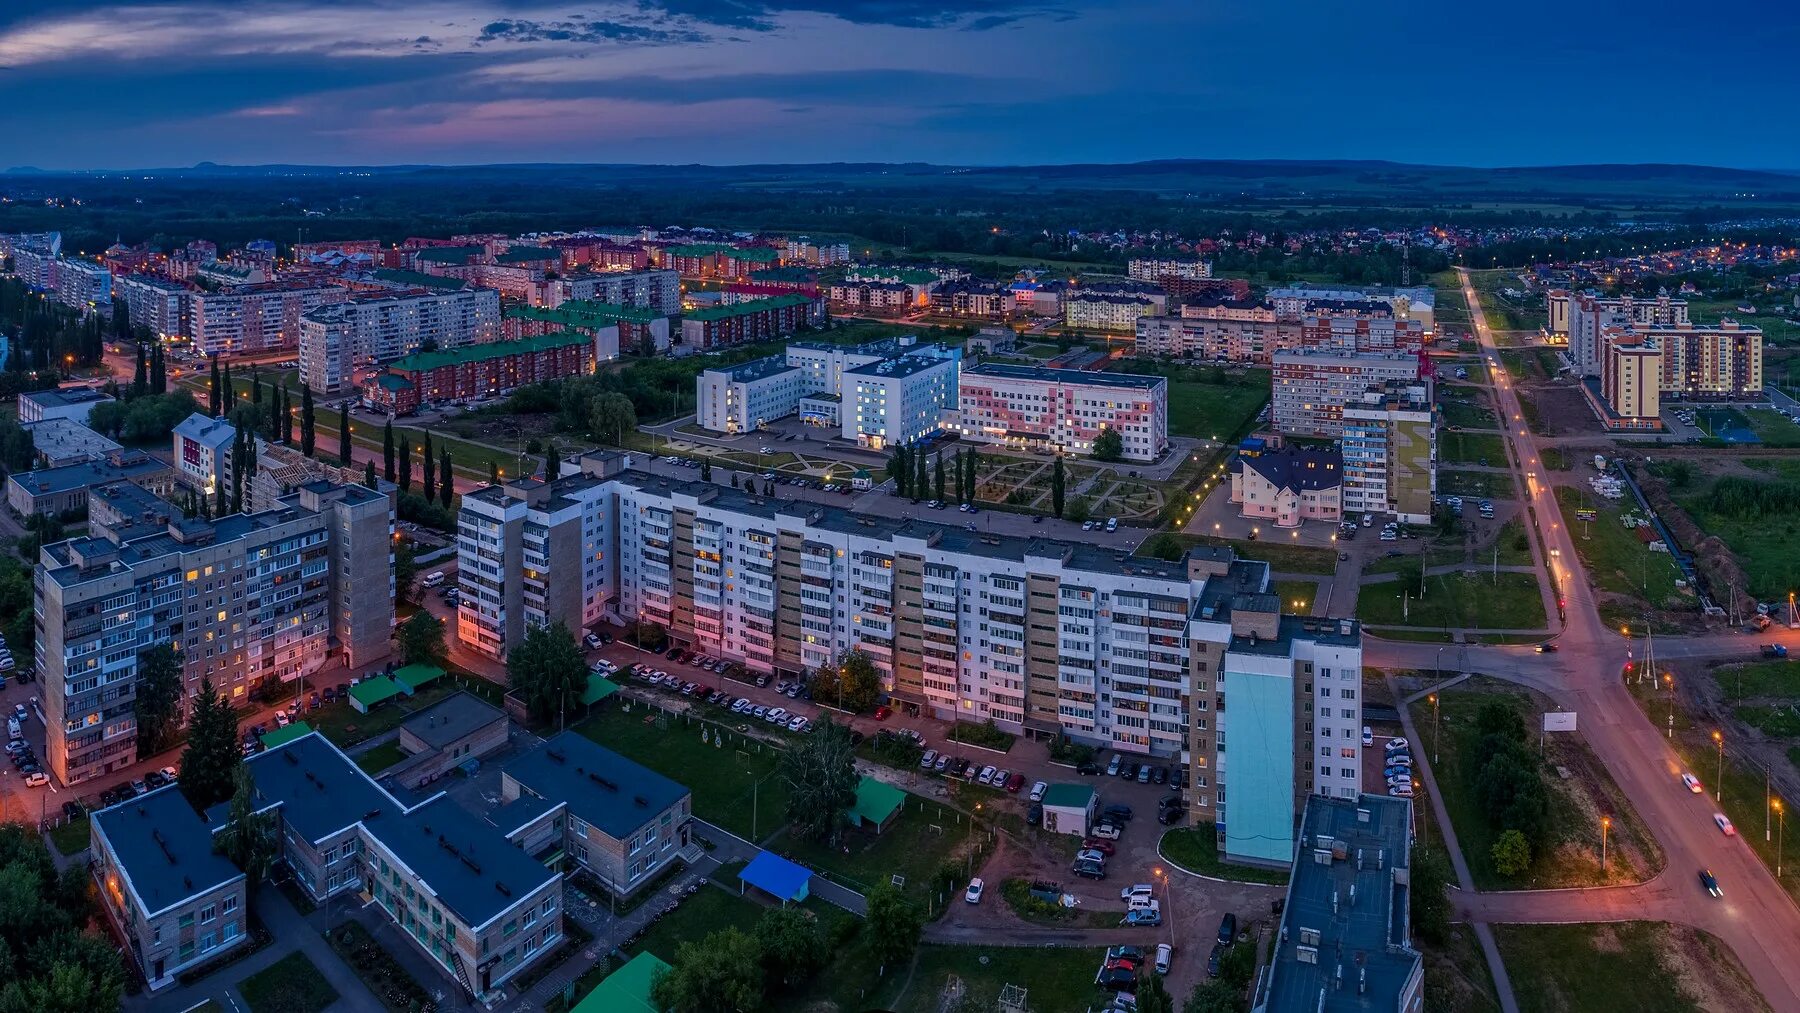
(1559, 721)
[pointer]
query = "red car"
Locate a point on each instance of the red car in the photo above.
(1096, 844)
(1015, 782)
(882, 712)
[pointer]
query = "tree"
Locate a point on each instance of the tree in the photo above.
(852, 683)
(387, 450)
(548, 671)
(940, 477)
(1154, 997)
(344, 438)
(1213, 997)
(48, 964)
(1109, 445)
(493, 472)
(893, 924)
(213, 391)
(958, 462)
(1511, 853)
(722, 971)
(1430, 899)
(429, 485)
(706, 469)
(212, 756)
(255, 388)
(446, 485)
(227, 392)
(897, 470)
(403, 459)
(1056, 486)
(140, 381)
(793, 948)
(552, 462)
(308, 437)
(421, 639)
(248, 837)
(158, 703)
(369, 474)
(921, 481)
(820, 773)
(159, 376)
(613, 415)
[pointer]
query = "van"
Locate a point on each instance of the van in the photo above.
(12, 728)
(433, 579)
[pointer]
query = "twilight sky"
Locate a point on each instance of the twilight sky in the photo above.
(114, 83)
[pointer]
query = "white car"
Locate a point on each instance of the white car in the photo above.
(1106, 832)
(1368, 736)
(1091, 855)
(973, 893)
(1400, 791)
(797, 724)
(778, 716)
(170, 774)
(1693, 783)
(1724, 825)
(36, 779)
(987, 775)
(1164, 955)
(1395, 745)
(1136, 890)
(1038, 790)
(592, 640)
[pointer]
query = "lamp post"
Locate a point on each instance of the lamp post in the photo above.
(1669, 684)
(1168, 900)
(1434, 728)
(1440, 664)
(1605, 825)
(1780, 834)
(1719, 782)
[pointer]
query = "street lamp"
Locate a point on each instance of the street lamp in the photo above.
(1780, 834)
(1669, 684)
(1605, 824)
(1434, 728)
(1719, 782)
(1168, 900)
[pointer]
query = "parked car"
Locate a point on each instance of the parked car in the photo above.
(1096, 844)
(1106, 832)
(1165, 954)
(1038, 790)
(1368, 736)
(1228, 928)
(1212, 960)
(1034, 814)
(943, 763)
(1015, 783)
(1112, 769)
(1088, 769)
(1144, 916)
(1117, 809)
(1089, 870)
(973, 894)
(987, 775)
(1143, 774)
(593, 642)
(1145, 890)
(928, 760)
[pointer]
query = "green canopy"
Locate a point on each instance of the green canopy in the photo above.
(372, 691)
(414, 676)
(288, 734)
(876, 802)
(626, 990)
(599, 687)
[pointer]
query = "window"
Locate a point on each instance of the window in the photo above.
(208, 913)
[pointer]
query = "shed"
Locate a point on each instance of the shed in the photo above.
(372, 691)
(775, 876)
(412, 677)
(877, 803)
(1069, 808)
(626, 990)
(288, 734)
(599, 687)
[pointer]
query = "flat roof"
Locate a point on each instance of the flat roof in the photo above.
(418, 279)
(600, 786)
(777, 876)
(63, 397)
(470, 868)
(902, 366)
(748, 306)
(755, 369)
(71, 477)
(1068, 796)
(422, 361)
(320, 791)
(60, 437)
(163, 848)
(1368, 936)
(1044, 374)
(452, 718)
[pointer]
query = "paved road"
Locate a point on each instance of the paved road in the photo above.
(1756, 919)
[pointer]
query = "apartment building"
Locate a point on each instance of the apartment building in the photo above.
(651, 290)
(897, 402)
(1289, 486)
(83, 284)
(1700, 362)
(1156, 269)
(1580, 318)
(1063, 409)
(968, 297)
(1389, 449)
(743, 397)
(1417, 303)
(164, 305)
(1216, 339)
(1360, 332)
(247, 598)
(456, 374)
(1345, 942)
(804, 251)
(335, 340)
(1312, 387)
(1228, 307)
(54, 491)
(1106, 311)
(871, 298)
(1631, 370)
(202, 454)
(256, 318)
(613, 327)
(756, 320)
(747, 396)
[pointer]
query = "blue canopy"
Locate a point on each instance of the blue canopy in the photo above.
(776, 876)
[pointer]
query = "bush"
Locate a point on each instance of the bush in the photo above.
(897, 750)
(986, 735)
(1066, 750)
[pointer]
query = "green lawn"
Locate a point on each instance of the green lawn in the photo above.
(1763, 547)
(380, 758)
(1616, 561)
(1279, 556)
(1481, 484)
(1776, 720)
(1463, 600)
(1196, 849)
(1622, 966)
(1469, 415)
(71, 837)
(920, 841)
(1297, 596)
(1471, 448)
(1054, 977)
(711, 909)
(1759, 680)
(1205, 402)
(1774, 430)
(343, 725)
(292, 984)
(724, 779)
(1514, 548)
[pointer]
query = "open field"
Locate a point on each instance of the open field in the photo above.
(1469, 414)
(1482, 484)
(292, 984)
(1461, 600)
(1576, 803)
(1209, 403)
(739, 791)
(1616, 561)
(1762, 542)
(921, 840)
(1646, 967)
(1485, 449)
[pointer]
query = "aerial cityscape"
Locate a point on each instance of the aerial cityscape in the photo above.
(689, 506)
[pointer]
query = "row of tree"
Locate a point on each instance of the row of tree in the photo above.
(1508, 785)
(397, 464)
(916, 475)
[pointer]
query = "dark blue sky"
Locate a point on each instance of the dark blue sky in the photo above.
(91, 83)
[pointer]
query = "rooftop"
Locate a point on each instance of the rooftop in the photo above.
(448, 254)
(1347, 910)
(418, 279)
(59, 439)
(63, 397)
(422, 361)
(607, 790)
(905, 365)
(755, 369)
(1302, 469)
(164, 850)
(1068, 796)
(470, 868)
(452, 718)
(320, 791)
(1329, 632)
(585, 313)
(49, 481)
(1003, 371)
(210, 432)
(748, 307)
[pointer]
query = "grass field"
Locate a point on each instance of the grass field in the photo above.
(1645, 967)
(1284, 558)
(292, 984)
(1616, 561)
(1206, 403)
(380, 758)
(738, 790)
(1759, 679)
(346, 727)
(921, 839)
(1055, 978)
(1297, 596)
(1196, 849)
(1763, 545)
(1576, 803)
(1469, 415)
(1471, 448)
(71, 837)
(1462, 600)
(1485, 484)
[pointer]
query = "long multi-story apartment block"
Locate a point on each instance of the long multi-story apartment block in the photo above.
(1108, 311)
(1311, 387)
(85, 285)
(256, 318)
(1063, 409)
(1700, 362)
(1580, 318)
(335, 340)
(1154, 269)
(456, 374)
(1046, 637)
(244, 599)
(1418, 303)
(1390, 453)
(1361, 332)
(1216, 339)
(654, 290)
(756, 320)
(164, 305)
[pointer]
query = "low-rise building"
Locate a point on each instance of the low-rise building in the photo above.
(1345, 943)
(1289, 486)
(60, 441)
(428, 378)
(447, 735)
(1065, 410)
(53, 491)
(72, 403)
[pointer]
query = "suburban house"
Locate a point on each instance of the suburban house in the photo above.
(1289, 486)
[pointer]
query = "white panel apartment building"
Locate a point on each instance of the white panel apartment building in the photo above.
(657, 290)
(256, 319)
(1031, 407)
(896, 402)
(1148, 269)
(162, 304)
(899, 381)
(1311, 388)
(336, 339)
(83, 285)
(740, 398)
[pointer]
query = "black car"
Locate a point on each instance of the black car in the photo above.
(155, 780)
(1228, 928)
(1212, 960)
(72, 810)
(1546, 648)
(1160, 775)
(1128, 770)
(1118, 979)
(674, 652)
(1035, 814)
(1118, 812)
(1711, 883)
(1088, 769)
(1169, 801)
(1171, 815)
(1090, 870)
